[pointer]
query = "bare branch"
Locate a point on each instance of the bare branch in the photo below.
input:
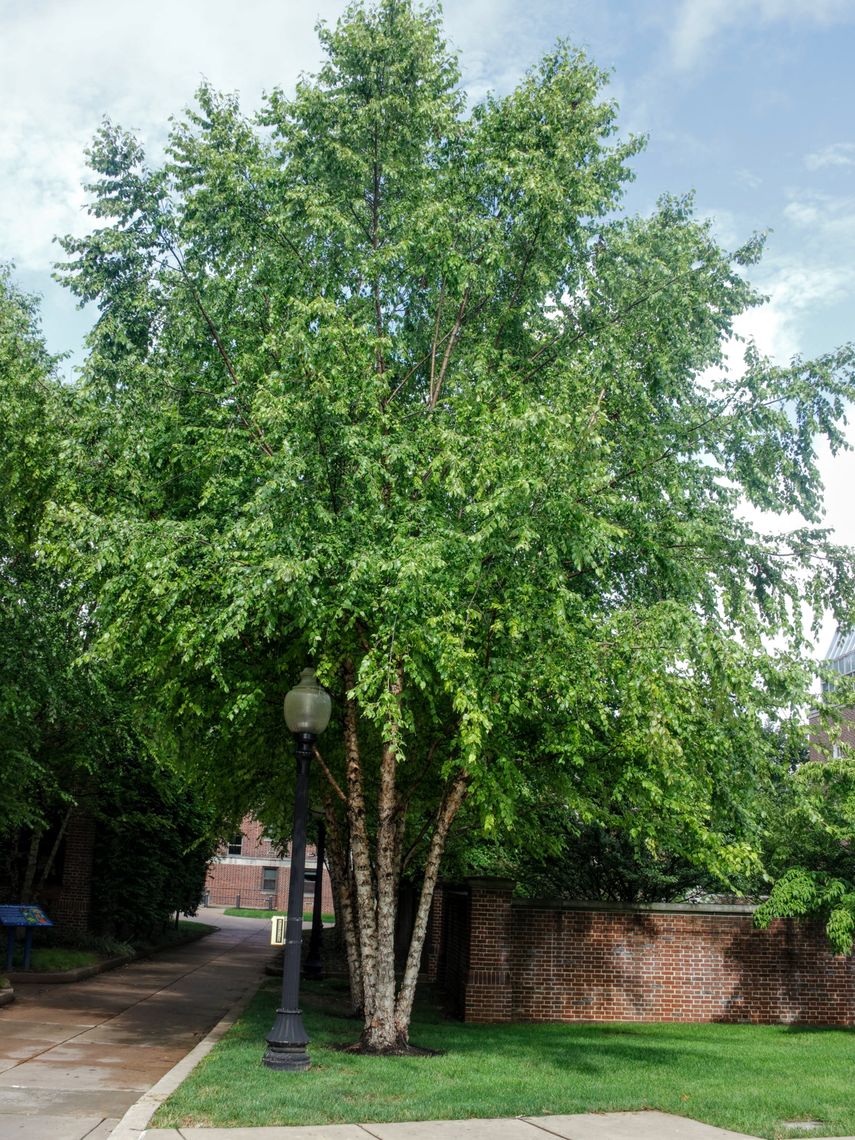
(330, 777)
(452, 340)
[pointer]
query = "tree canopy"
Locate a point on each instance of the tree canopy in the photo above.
(392, 384)
(67, 736)
(44, 729)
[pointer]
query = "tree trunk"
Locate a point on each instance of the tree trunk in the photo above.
(379, 1034)
(454, 797)
(343, 893)
(54, 851)
(367, 894)
(388, 1031)
(366, 914)
(32, 861)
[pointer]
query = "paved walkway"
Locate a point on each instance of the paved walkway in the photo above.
(93, 1059)
(74, 1057)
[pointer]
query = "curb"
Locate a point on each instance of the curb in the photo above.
(7, 995)
(135, 1121)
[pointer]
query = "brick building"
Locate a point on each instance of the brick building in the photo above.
(251, 871)
(841, 659)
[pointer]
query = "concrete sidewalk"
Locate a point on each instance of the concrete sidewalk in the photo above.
(75, 1057)
(608, 1126)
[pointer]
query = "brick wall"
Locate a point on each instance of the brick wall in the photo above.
(73, 902)
(488, 987)
(540, 961)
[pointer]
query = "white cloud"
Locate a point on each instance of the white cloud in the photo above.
(699, 22)
(829, 218)
(802, 213)
(66, 63)
(797, 292)
(748, 178)
(837, 154)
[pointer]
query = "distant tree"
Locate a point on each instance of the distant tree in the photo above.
(48, 733)
(66, 734)
(810, 849)
(390, 385)
(154, 839)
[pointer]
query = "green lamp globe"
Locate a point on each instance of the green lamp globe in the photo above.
(308, 705)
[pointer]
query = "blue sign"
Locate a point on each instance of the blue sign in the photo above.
(28, 916)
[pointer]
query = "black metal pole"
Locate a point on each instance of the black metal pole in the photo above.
(287, 1040)
(314, 967)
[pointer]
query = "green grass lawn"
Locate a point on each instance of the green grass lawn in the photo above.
(253, 912)
(743, 1077)
(54, 959)
(57, 959)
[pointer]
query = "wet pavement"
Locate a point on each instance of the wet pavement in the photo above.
(74, 1057)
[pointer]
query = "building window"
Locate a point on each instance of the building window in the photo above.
(236, 845)
(269, 878)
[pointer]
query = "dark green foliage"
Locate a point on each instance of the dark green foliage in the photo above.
(595, 863)
(153, 844)
(66, 732)
(554, 855)
(811, 850)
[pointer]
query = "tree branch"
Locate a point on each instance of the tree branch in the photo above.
(334, 784)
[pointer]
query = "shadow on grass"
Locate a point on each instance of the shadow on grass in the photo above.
(586, 1049)
(740, 1077)
(797, 1030)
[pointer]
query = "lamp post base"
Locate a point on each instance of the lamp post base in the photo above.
(286, 1043)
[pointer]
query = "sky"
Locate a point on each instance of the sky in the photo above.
(748, 103)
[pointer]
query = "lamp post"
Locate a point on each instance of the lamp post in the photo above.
(307, 714)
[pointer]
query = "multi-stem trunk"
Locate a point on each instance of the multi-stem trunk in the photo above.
(367, 880)
(388, 1029)
(379, 1033)
(363, 884)
(455, 793)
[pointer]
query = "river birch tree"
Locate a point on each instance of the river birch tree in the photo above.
(390, 384)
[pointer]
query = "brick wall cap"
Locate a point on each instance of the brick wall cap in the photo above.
(490, 884)
(635, 908)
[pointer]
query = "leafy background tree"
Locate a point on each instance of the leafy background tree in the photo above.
(51, 730)
(153, 845)
(67, 740)
(33, 640)
(390, 385)
(810, 836)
